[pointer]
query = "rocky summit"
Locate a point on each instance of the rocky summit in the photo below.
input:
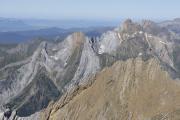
(129, 73)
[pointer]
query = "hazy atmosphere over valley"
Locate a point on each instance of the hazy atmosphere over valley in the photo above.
(89, 60)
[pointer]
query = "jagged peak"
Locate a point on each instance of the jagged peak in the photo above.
(78, 38)
(128, 21)
(177, 19)
(130, 27)
(153, 28)
(148, 24)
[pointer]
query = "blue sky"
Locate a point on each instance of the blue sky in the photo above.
(90, 9)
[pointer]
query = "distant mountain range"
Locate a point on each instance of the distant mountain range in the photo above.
(15, 30)
(12, 24)
(7, 24)
(48, 34)
(21, 30)
(173, 25)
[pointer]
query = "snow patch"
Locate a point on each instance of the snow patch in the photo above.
(1, 116)
(65, 63)
(101, 49)
(150, 36)
(54, 49)
(54, 57)
(163, 42)
(119, 36)
(140, 54)
(140, 32)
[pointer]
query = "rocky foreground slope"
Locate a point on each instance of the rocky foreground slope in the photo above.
(128, 90)
(130, 73)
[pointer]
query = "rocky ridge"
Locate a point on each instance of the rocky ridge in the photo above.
(65, 70)
(132, 89)
(141, 70)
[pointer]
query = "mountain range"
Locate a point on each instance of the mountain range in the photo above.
(129, 72)
(13, 31)
(20, 24)
(51, 34)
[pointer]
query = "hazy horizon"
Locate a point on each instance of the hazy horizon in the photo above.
(113, 10)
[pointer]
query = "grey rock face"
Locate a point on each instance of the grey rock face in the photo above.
(15, 117)
(28, 86)
(88, 66)
(134, 40)
(51, 70)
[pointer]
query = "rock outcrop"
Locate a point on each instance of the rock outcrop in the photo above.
(94, 78)
(136, 80)
(28, 85)
(128, 90)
